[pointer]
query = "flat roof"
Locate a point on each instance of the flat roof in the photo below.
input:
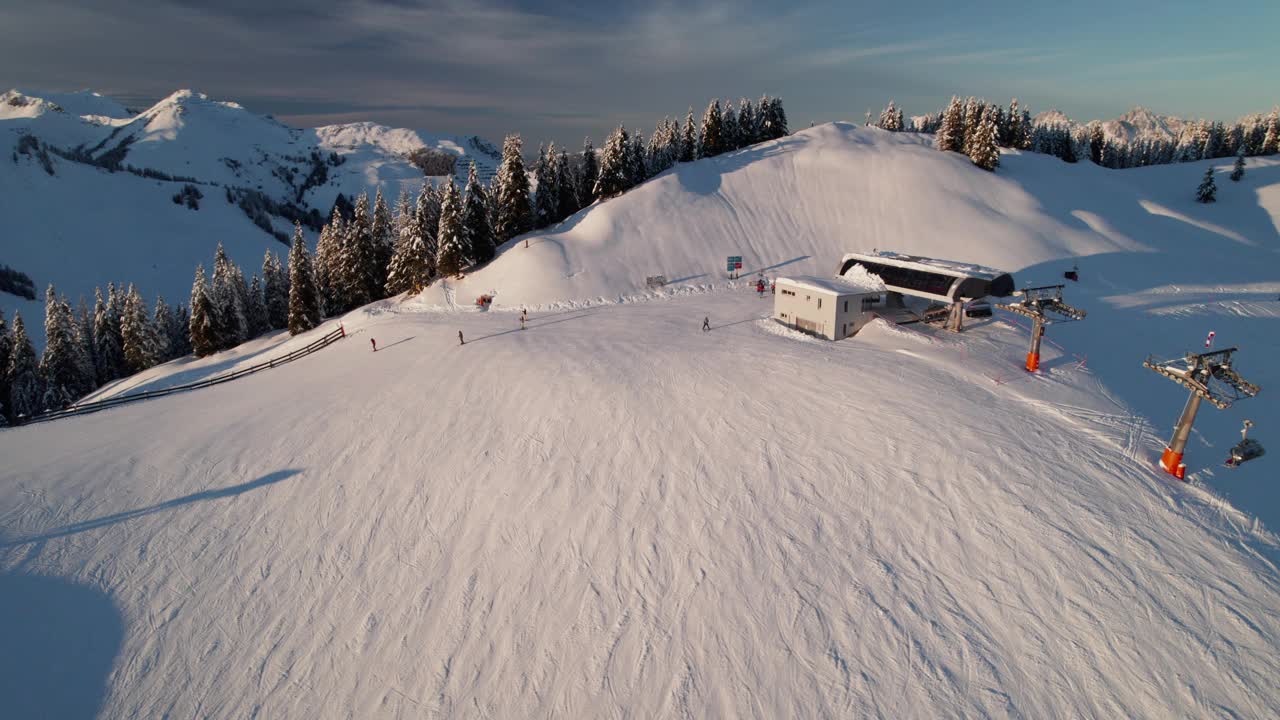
(833, 285)
(946, 267)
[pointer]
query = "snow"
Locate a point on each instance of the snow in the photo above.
(843, 285)
(612, 513)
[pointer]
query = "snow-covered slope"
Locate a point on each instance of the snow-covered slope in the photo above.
(80, 226)
(612, 513)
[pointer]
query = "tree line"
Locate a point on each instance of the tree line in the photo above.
(967, 126)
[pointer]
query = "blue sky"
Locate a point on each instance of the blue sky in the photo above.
(562, 70)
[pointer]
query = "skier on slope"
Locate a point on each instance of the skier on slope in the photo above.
(374, 343)
(706, 324)
(460, 340)
(760, 287)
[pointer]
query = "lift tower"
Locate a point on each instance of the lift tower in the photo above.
(1043, 306)
(1209, 376)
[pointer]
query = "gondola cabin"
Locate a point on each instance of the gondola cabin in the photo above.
(833, 308)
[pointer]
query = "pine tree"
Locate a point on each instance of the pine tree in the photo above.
(6, 351)
(428, 210)
(106, 333)
(983, 148)
(452, 258)
(748, 123)
(412, 267)
(304, 296)
(1208, 190)
(1270, 144)
(180, 332)
(357, 259)
(567, 203)
(613, 176)
(326, 264)
(548, 190)
(475, 215)
(137, 332)
(381, 233)
(1237, 171)
(731, 133)
(275, 291)
(587, 175)
(772, 119)
(891, 118)
(60, 366)
(689, 139)
(161, 321)
(515, 211)
(638, 169)
(203, 327)
(712, 131)
(87, 350)
(256, 312)
(950, 137)
(227, 302)
(23, 373)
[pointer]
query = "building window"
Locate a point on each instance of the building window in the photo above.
(846, 306)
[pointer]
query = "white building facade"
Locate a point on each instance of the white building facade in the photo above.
(833, 308)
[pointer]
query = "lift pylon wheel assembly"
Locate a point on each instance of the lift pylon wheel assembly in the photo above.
(1209, 376)
(1043, 306)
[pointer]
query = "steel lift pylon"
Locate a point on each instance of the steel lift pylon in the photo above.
(1043, 306)
(1209, 376)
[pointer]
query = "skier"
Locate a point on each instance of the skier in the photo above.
(521, 321)
(760, 287)
(706, 324)
(374, 343)
(773, 287)
(460, 340)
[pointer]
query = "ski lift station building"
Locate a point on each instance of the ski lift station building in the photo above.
(834, 308)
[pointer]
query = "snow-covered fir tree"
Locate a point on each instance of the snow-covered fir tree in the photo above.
(731, 133)
(950, 136)
(304, 296)
(515, 211)
(1208, 190)
(689, 139)
(161, 320)
(614, 171)
(380, 229)
(567, 204)
(452, 258)
(712, 131)
(137, 333)
(475, 214)
(1237, 170)
(663, 147)
(180, 331)
(242, 297)
(203, 324)
(638, 169)
(60, 366)
(891, 118)
(748, 123)
(228, 302)
(256, 311)
(412, 265)
(1271, 136)
(357, 259)
(983, 148)
(106, 334)
(973, 109)
(588, 171)
(6, 350)
(773, 119)
(23, 373)
(548, 193)
(275, 291)
(87, 350)
(326, 263)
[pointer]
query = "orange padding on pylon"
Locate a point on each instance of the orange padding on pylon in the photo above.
(1033, 362)
(1171, 462)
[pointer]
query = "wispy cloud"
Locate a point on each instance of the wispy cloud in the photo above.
(844, 55)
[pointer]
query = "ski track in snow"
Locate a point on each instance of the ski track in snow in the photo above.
(615, 514)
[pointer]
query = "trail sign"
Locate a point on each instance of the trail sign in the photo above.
(735, 263)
